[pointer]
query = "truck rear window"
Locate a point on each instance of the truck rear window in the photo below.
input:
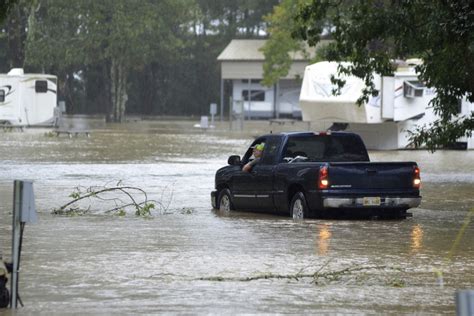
(326, 148)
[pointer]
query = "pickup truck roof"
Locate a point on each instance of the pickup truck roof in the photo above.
(313, 146)
(308, 133)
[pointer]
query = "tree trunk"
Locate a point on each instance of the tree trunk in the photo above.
(31, 25)
(15, 38)
(118, 75)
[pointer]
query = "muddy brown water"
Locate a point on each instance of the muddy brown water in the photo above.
(190, 259)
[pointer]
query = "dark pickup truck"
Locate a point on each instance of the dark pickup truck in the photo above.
(308, 174)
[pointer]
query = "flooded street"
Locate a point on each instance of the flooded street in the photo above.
(189, 259)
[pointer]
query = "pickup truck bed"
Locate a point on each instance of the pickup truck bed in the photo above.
(313, 174)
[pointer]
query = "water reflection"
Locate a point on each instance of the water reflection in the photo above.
(106, 264)
(324, 238)
(416, 238)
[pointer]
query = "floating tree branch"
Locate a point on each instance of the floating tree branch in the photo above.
(128, 197)
(315, 276)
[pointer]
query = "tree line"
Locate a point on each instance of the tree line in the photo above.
(158, 57)
(117, 57)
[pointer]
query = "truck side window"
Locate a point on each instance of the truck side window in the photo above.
(248, 154)
(2, 95)
(270, 153)
(41, 86)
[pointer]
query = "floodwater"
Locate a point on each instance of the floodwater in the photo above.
(189, 259)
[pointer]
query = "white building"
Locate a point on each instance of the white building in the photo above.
(242, 66)
(27, 99)
(385, 121)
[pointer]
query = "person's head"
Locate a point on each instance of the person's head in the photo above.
(258, 150)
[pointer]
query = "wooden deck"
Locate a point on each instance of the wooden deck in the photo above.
(72, 132)
(281, 121)
(10, 128)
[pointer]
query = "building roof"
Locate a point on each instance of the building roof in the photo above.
(249, 50)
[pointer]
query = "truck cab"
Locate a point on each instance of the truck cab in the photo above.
(319, 173)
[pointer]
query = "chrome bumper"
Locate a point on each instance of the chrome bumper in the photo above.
(359, 202)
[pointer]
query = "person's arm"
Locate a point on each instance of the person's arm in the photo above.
(248, 166)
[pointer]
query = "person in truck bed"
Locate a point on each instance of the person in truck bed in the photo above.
(257, 154)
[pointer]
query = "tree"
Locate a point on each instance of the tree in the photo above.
(14, 22)
(133, 56)
(53, 40)
(372, 33)
(122, 35)
(5, 7)
(187, 81)
(277, 47)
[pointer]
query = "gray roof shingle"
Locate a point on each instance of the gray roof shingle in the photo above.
(249, 49)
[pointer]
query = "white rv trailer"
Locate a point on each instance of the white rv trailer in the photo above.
(385, 121)
(263, 102)
(27, 99)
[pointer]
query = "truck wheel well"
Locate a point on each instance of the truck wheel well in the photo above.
(221, 187)
(292, 189)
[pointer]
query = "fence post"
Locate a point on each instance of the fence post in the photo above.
(465, 303)
(24, 211)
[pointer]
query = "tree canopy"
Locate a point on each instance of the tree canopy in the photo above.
(120, 57)
(5, 7)
(280, 24)
(371, 34)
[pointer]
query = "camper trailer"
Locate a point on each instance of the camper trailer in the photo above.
(27, 99)
(385, 120)
(262, 102)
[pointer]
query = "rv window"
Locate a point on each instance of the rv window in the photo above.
(41, 86)
(413, 89)
(2, 95)
(255, 95)
(251, 80)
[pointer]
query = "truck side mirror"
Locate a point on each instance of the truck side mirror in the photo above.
(234, 160)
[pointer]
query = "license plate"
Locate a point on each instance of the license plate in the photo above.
(372, 201)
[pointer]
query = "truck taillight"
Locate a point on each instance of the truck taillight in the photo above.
(416, 177)
(323, 179)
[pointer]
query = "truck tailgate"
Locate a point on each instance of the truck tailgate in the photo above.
(371, 175)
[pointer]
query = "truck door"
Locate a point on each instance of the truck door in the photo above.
(244, 184)
(242, 191)
(254, 190)
(263, 173)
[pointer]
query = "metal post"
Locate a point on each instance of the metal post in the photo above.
(222, 100)
(465, 303)
(17, 201)
(24, 211)
(230, 112)
(213, 111)
(277, 101)
(241, 117)
(249, 99)
(274, 100)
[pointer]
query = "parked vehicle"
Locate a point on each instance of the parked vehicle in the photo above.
(307, 174)
(386, 119)
(27, 99)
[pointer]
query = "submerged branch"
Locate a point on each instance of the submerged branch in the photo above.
(128, 198)
(330, 275)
